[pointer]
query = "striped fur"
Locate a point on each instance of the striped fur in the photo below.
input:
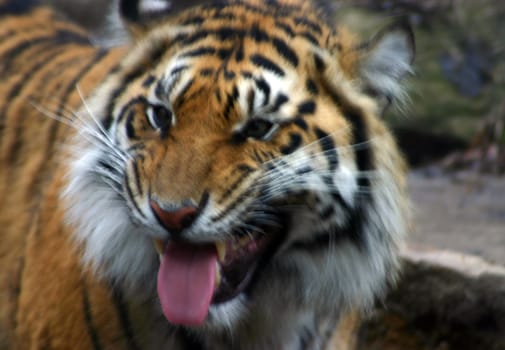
(259, 113)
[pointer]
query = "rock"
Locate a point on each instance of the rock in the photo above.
(444, 301)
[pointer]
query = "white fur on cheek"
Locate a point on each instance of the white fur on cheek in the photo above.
(113, 245)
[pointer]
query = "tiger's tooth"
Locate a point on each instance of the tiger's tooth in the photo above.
(221, 250)
(217, 276)
(158, 245)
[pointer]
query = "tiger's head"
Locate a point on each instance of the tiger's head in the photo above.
(236, 163)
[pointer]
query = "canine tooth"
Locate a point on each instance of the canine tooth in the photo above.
(221, 250)
(217, 276)
(158, 245)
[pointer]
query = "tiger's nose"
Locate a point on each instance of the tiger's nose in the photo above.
(177, 219)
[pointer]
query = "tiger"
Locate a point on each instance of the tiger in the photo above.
(225, 180)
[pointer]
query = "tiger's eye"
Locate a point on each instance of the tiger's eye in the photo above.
(260, 129)
(160, 117)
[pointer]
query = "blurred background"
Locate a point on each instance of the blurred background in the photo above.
(452, 131)
(453, 128)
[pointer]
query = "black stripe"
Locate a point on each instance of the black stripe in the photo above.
(307, 107)
(245, 173)
(246, 74)
(285, 51)
(178, 70)
(173, 82)
(328, 148)
(159, 90)
(130, 128)
(136, 175)
(301, 123)
(193, 20)
(224, 16)
(308, 23)
(250, 101)
(7, 57)
(200, 35)
(224, 54)
(356, 222)
(280, 100)
(222, 34)
(360, 137)
(105, 164)
(286, 28)
(132, 200)
(135, 148)
(180, 99)
(319, 63)
(337, 196)
(239, 53)
(295, 141)
(149, 81)
(205, 72)
(124, 109)
(71, 87)
(304, 170)
(34, 55)
(311, 87)
(264, 87)
(258, 34)
(353, 228)
(88, 318)
(17, 88)
(60, 37)
(247, 193)
(201, 51)
(263, 62)
(124, 319)
(359, 131)
(230, 102)
(311, 38)
(219, 6)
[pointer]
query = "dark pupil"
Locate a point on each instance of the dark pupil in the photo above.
(162, 117)
(258, 128)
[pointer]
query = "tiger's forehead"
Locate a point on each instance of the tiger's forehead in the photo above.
(244, 55)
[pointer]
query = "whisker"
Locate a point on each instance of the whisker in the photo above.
(90, 113)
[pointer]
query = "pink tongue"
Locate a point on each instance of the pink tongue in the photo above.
(186, 282)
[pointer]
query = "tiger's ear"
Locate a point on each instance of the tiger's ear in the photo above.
(385, 60)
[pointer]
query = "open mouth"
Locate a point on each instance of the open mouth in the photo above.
(192, 277)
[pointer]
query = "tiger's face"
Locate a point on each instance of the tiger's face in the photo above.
(235, 163)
